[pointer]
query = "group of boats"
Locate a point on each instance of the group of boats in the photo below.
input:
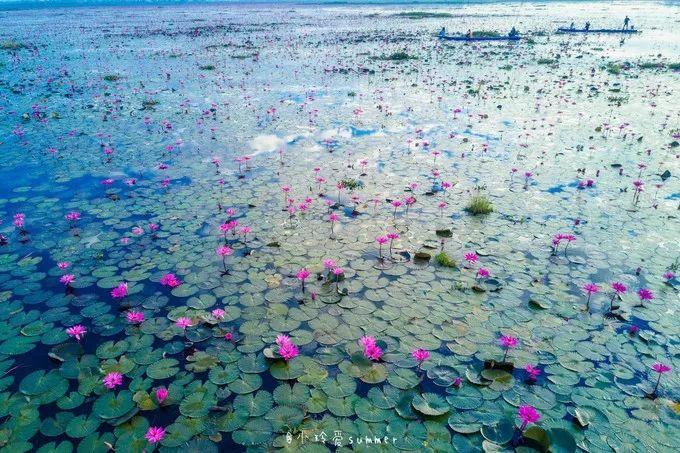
(515, 36)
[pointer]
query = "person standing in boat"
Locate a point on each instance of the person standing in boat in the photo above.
(513, 32)
(572, 26)
(626, 23)
(469, 33)
(442, 32)
(587, 27)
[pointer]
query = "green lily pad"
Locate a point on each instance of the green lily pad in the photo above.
(111, 405)
(255, 432)
(499, 433)
(430, 404)
(162, 369)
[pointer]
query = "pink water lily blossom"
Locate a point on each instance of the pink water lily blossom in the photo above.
(302, 275)
(112, 380)
(120, 291)
(661, 369)
(532, 371)
(528, 414)
(183, 322)
(135, 317)
(420, 355)
(161, 394)
(218, 313)
(78, 332)
(67, 279)
(287, 349)
(508, 342)
(645, 294)
(155, 434)
(371, 350)
(170, 280)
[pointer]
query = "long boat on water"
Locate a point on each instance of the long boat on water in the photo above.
(480, 38)
(598, 30)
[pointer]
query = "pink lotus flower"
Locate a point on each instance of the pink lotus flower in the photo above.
(73, 216)
(19, 220)
(507, 342)
(112, 380)
(63, 265)
(528, 414)
(228, 336)
(668, 275)
(329, 264)
(183, 322)
(532, 372)
(471, 258)
(218, 313)
(161, 394)
(78, 332)
(420, 355)
(67, 279)
(155, 434)
(458, 382)
(338, 271)
(373, 352)
(135, 317)
(287, 350)
(170, 280)
(366, 341)
(662, 369)
(224, 251)
(645, 294)
(120, 291)
(302, 275)
(381, 240)
(619, 288)
(483, 272)
(590, 288)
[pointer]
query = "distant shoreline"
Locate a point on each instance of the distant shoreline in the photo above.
(17, 5)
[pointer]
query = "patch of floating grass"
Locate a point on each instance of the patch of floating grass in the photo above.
(398, 56)
(111, 77)
(546, 61)
(11, 44)
(507, 67)
(650, 65)
(674, 66)
(613, 68)
(479, 204)
(150, 104)
(444, 260)
(351, 183)
(206, 67)
(422, 15)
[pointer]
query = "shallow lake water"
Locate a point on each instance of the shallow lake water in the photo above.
(137, 142)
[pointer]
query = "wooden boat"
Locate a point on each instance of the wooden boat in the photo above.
(597, 30)
(480, 38)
